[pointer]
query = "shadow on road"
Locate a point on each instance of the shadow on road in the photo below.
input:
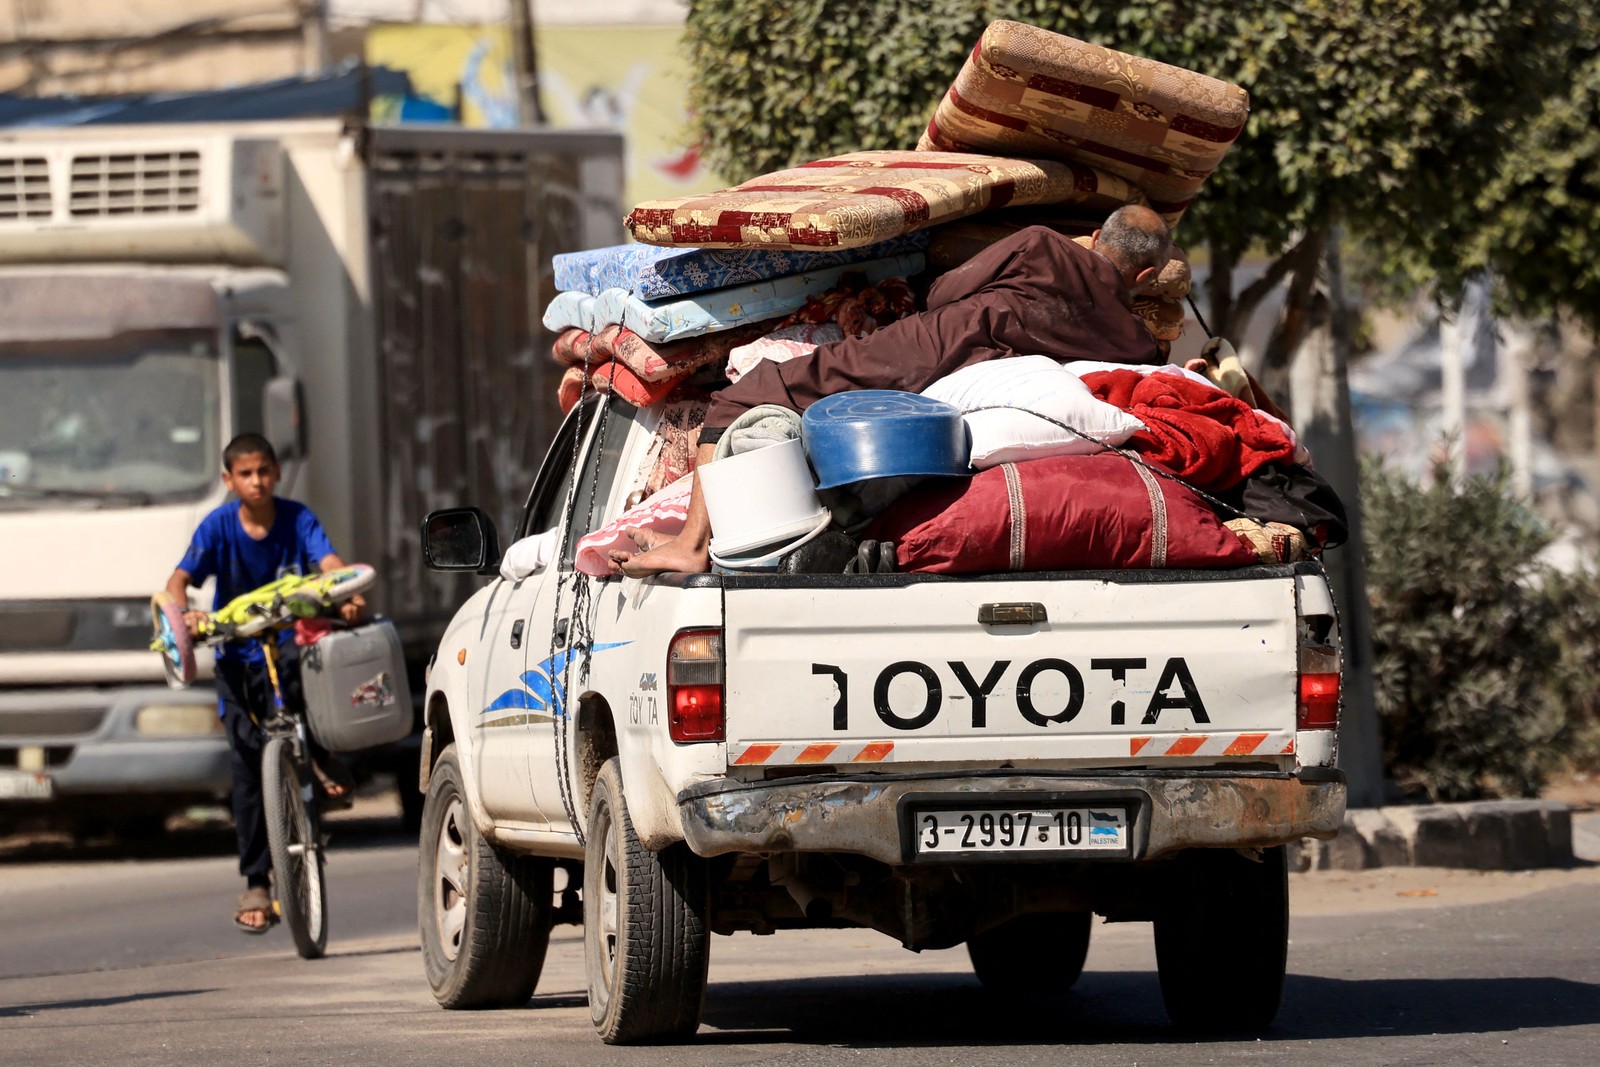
(22, 1010)
(208, 834)
(921, 1009)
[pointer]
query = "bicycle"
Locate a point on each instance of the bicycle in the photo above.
(288, 781)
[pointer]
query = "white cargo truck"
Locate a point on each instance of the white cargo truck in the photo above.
(367, 297)
(985, 759)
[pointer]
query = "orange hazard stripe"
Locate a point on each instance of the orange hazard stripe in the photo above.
(755, 754)
(874, 752)
(1187, 746)
(1136, 745)
(1288, 750)
(1244, 744)
(817, 753)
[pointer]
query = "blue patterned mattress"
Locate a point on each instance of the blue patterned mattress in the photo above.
(676, 318)
(652, 272)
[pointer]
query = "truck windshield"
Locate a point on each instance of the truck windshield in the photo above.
(132, 419)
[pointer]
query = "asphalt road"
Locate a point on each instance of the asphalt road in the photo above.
(110, 959)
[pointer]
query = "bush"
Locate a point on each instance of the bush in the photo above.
(1576, 682)
(1469, 669)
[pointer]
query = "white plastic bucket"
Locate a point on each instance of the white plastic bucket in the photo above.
(758, 498)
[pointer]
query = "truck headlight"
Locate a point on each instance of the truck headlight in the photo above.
(177, 720)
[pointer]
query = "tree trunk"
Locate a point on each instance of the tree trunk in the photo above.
(1304, 310)
(1219, 291)
(1322, 414)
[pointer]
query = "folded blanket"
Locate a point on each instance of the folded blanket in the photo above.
(1197, 432)
(664, 513)
(651, 272)
(781, 345)
(671, 452)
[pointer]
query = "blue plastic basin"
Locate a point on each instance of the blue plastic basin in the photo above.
(883, 433)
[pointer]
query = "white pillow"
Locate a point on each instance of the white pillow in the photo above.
(1023, 384)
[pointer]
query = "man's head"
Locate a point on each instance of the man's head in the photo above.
(1137, 242)
(250, 468)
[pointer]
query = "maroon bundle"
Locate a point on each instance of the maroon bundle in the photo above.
(1100, 511)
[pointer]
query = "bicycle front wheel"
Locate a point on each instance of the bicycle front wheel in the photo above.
(293, 840)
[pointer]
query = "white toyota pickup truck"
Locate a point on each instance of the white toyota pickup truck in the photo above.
(986, 759)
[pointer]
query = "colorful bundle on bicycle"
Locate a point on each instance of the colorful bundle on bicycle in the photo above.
(890, 269)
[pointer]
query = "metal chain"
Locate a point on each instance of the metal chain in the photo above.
(560, 720)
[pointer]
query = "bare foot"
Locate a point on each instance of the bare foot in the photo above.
(664, 557)
(643, 541)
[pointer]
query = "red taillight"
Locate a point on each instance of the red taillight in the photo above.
(1319, 686)
(1319, 702)
(694, 687)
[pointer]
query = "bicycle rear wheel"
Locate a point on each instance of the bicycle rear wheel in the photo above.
(292, 838)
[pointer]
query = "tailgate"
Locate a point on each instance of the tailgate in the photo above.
(1118, 673)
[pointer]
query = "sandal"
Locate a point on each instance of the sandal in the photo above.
(336, 786)
(256, 898)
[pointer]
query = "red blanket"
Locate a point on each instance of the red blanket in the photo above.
(1196, 431)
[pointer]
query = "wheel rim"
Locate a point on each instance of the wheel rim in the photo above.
(609, 909)
(450, 879)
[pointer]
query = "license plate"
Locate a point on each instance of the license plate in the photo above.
(1020, 830)
(26, 785)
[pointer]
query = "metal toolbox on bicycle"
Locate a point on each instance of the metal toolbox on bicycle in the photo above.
(355, 686)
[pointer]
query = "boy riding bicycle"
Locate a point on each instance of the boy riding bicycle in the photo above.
(245, 545)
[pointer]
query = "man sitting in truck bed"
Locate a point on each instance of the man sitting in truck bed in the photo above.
(1036, 292)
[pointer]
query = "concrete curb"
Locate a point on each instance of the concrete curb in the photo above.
(1490, 835)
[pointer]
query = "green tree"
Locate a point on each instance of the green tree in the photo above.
(1393, 119)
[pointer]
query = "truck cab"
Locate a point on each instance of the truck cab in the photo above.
(349, 291)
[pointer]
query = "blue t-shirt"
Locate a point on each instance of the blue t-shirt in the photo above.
(296, 544)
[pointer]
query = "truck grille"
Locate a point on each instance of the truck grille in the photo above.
(24, 188)
(51, 722)
(135, 183)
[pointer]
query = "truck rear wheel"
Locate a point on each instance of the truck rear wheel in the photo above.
(1222, 948)
(1032, 954)
(645, 936)
(484, 914)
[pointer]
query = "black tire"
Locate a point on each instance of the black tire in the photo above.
(295, 843)
(484, 914)
(645, 936)
(1222, 947)
(1032, 954)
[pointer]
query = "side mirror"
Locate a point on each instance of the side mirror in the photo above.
(281, 418)
(460, 539)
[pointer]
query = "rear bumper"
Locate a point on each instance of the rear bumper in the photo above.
(863, 815)
(93, 748)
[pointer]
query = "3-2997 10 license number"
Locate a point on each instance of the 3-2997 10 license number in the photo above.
(1050, 829)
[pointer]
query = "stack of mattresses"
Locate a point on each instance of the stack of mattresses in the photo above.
(1025, 91)
(657, 326)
